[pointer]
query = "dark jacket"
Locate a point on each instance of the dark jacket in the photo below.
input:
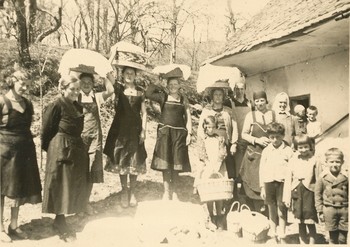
(331, 191)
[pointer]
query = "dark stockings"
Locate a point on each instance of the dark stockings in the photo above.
(338, 237)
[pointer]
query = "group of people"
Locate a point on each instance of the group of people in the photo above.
(273, 163)
(71, 135)
(269, 153)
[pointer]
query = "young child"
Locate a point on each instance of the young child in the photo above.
(213, 156)
(272, 173)
(332, 197)
(313, 126)
(299, 187)
(300, 120)
(92, 132)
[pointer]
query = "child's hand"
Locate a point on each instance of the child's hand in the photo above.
(321, 217)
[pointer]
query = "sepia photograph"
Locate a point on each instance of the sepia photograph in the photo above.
(174, 122)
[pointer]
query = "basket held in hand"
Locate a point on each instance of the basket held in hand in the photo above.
(215, 188)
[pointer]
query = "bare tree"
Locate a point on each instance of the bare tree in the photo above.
(58, 22)
(232, 20)
(96, 25)
(31, 21)
(21, 30)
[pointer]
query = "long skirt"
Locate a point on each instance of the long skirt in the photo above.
(66, 176)
(303, 205)
(20, 179)
(171, 151)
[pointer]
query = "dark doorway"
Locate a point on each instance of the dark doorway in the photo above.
(303, 100)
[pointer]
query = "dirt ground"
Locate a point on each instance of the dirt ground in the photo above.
(113, 225)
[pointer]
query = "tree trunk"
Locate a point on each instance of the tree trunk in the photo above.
(21, 29)
(173, 33)
(32, 11)
(96, 43)
(105, 28)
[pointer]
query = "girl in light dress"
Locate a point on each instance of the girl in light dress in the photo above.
(299, 188)
(213, 154)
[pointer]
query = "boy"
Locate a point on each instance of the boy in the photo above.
(331, 197)
(272, 174)
(313, 126)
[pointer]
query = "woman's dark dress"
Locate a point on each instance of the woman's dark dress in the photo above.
(171, 151)
(20, 177)
(127, 155)
(66, 175)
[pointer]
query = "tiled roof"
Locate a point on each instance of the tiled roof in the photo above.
(280, 18)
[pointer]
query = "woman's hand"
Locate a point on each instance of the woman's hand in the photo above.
(188, 139)
(263, 141)
(142, 136)
(233, 148)
(262, 193)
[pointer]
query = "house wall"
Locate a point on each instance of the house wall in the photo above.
(326, 79)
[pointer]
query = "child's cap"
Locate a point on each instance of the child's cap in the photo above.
(299, 108)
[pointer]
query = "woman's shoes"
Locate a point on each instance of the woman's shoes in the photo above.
(17, 233)
(4, 238)
(124, 198)
(64, 233)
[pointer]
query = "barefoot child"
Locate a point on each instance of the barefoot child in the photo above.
(332, 197)
(299, 187)
(272, 172)
(214, 153)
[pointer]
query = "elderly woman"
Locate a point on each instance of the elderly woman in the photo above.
(173, 135)
(282, 110)
(125, 146)
(67, 165)
(254, 132)
(227, 125)
(20, 180)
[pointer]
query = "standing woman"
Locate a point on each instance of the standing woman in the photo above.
(20, 180)
(227, 125)
(254, 132)
(125, 146)
(174, 133)
(66, 175)
(282, 109)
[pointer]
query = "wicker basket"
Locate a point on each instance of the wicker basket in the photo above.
(215, 188)
(255, 236)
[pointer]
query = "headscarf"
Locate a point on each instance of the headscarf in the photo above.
(278, 98)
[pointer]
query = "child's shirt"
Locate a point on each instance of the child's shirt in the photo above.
(313, 128)
(274, 163)
(331, 191)
(299, 170)
(90, 99)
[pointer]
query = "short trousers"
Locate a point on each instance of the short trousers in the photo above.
(274, 193)
(335, 218)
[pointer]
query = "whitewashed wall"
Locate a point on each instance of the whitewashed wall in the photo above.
(326, 79)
